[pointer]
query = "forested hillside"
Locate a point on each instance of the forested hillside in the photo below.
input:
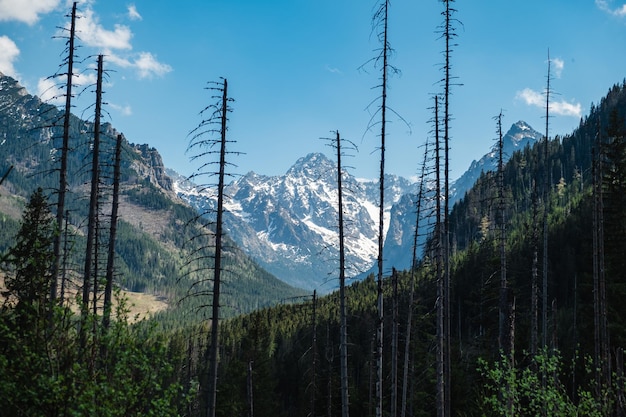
(289, 354)
(155, 227)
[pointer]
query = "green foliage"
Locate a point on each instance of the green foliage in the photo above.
(44, 371)
(535, 390)
(147, 195)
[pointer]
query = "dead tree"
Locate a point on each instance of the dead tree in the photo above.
(108, 289)
(546, 194)
(394, 344)
(93, 206)
(314, 353)
(343, 350)
(6, 174)
(504, 329)
(439, 260)
(381, 215)
(64, 153)
(380, 23)
(407, 340)
(449, 34)
(215, 126)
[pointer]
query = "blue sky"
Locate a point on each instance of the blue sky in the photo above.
(294, 70)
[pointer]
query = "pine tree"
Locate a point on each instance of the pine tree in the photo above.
(28, 263)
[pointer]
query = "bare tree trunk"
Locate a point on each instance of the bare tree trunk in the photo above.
(546, 196)
(394, 345)
(64, 152)
(381, 219)
(93, 205)
(314, 350)
(503, 334)
(330, 357)
(65, 256)
(6, 174)
(407, 341)
(217, 269)
(343, 354)
(441, 339)
(446, 297)
(108, 289)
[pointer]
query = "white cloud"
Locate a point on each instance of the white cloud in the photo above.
(92, 33)
(557, 65)
(562, 108)
(133, 14)
(114, 43)
(148, 66)
(124, 110)
(8, 54)
(51, 91)
(25, 11)
(145, 63)
(605, 5)
(565, 108)
(531, 97)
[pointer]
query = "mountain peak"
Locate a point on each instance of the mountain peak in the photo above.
(315, 163)
(520, 134)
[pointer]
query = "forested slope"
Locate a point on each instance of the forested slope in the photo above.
(291, 352)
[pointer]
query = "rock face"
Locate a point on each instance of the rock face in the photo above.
(150, 166)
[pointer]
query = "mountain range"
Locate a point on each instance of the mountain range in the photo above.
(289, 223)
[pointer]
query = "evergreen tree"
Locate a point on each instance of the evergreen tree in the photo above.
(28, 263)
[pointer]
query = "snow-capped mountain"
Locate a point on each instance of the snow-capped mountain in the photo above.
(289, 223)
(519, 135)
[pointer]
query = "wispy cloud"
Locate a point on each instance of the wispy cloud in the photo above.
(123, 110)
(25, 11)
(133, 14)
(145, 63)
(8, 55)
(116, 43)
(92, 33)
(605, 5)
(557, 66)
(333, 70)
(537, 99)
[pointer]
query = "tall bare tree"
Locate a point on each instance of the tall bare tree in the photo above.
(503, 328)
(448, 32)
(546, 205)
(407, 340)
(108, 289)
(64, 154)
(343, 349)
(209, 135)
(93, 205)
(383, 13)
(439, 267)
(380, 23)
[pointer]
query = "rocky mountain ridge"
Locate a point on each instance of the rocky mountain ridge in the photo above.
(289, 225)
